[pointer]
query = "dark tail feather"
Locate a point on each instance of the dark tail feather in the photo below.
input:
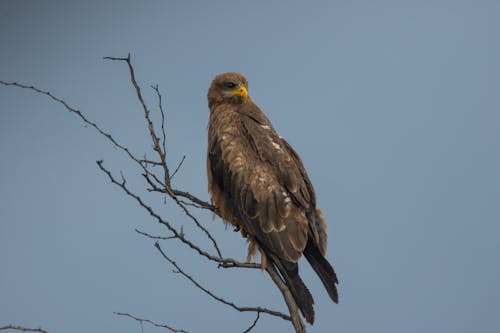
(323, 268)
(290, 273)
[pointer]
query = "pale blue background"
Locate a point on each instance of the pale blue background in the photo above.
(393, 105)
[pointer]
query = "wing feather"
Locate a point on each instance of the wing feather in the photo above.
(248, 203)
(317, 223)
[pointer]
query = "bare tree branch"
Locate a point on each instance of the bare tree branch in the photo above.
(162, 184)
(154, 137)
(158, 148)
(22, 329)
(223, 262)
(150, 175)
(86, 121)
(186, 211)
(220, 299)
(297, 322)
(142, 320)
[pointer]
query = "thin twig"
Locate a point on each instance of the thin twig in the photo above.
(178, 167)
(146, 161)
(142, 320)
(143, 233)
(234, 306)
(191, 204)
(160, 106)
(23, 329)
(253, 324)
(201, 203)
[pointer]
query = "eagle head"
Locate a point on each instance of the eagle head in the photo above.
(229, 88)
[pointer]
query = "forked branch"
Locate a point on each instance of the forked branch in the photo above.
(158, 178)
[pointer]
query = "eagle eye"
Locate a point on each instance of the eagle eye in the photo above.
(230, 85)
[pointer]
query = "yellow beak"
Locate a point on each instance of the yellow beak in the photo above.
(241, 91)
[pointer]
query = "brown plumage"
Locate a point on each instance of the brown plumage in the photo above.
(259, 185)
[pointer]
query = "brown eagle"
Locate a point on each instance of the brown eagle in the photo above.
(259, 185)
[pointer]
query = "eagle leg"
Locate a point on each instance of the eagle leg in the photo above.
(253, 247)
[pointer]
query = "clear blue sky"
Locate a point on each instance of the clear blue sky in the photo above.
(393, 105)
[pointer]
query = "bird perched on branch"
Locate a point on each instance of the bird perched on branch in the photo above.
(259, 185)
